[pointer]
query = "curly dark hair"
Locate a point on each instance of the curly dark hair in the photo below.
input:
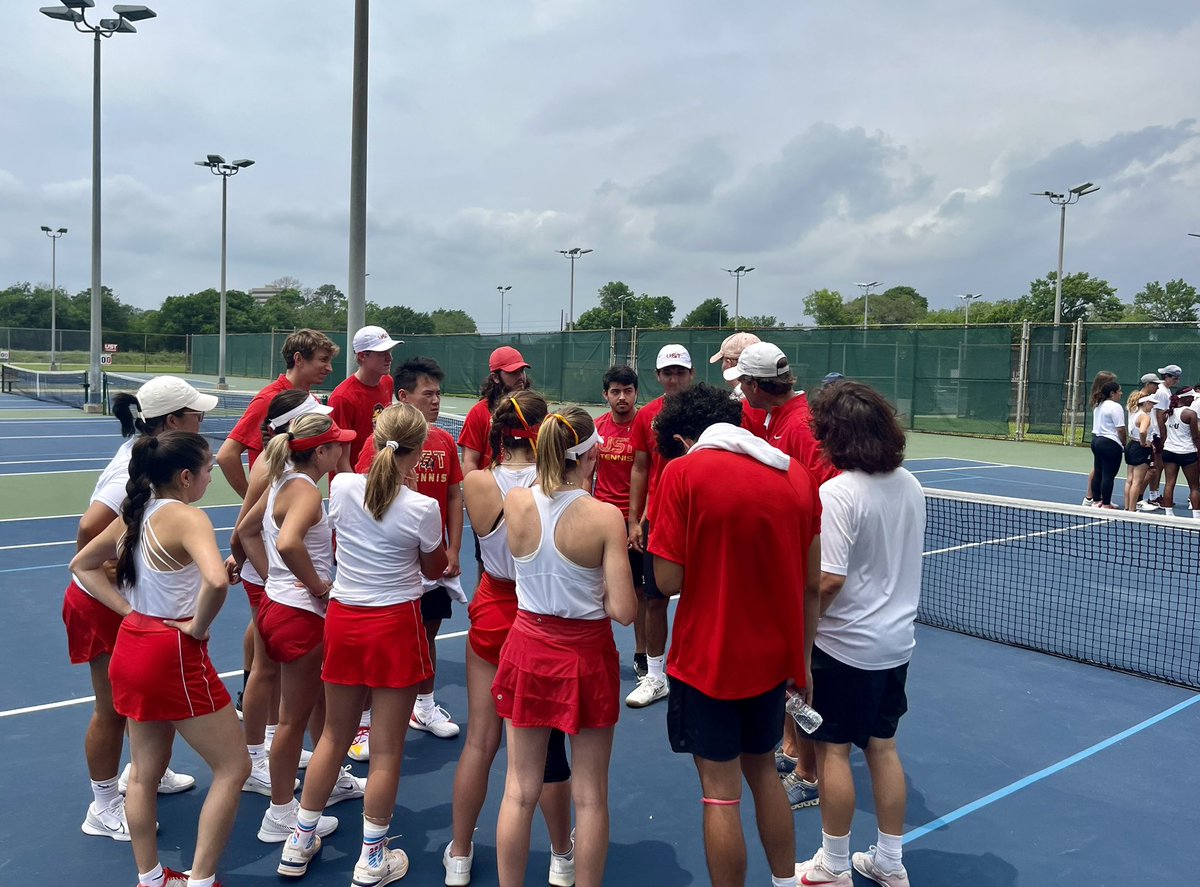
(857, 428)
(689, 412)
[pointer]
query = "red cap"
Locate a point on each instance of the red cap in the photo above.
(332, 434)
(508, 359)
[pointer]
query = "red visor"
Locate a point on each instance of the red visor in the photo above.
(332, 435)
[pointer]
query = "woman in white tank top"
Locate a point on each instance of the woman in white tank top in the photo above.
(1180, 451)
(492, 611)
(174, 582)
(298, 539)
(573, 576)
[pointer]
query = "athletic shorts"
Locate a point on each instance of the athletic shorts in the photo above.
(288, 632)
(161, 674)
(254, 593)
(1183, 460)
(1136, 454)
(491, 612)
(856, 704)
(376, 646)
(435, 605)
(91, 627)
(637, 566)
(649, 584)
(723, 729)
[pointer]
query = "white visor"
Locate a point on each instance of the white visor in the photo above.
(573, 453)
(312, 405)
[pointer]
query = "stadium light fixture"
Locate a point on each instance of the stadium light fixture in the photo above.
(866, 291)
(967, 299)
(53, 235)
(502, 290)
(573, 253)
(737, 274)
(1063, 201)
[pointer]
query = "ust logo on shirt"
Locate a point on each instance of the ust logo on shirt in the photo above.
(617, 449)
(431, 469)
(375, 411)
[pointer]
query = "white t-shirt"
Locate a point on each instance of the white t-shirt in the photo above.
(378, 562)
(110, 488)
(873, 533)
(1161, 405)
(1107, 419)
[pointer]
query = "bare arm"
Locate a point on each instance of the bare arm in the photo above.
(200, 543)
(248, 528)
(668, 575)
(812, 610)
(470, 460)
(638, 479)
(620, 602)
(89, 566)
(94, 522)
(1161, 418)
(433, 563)
(454, 529)
(1143, 427)
(229, 460)
(301, 511)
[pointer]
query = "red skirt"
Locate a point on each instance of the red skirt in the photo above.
(376, 646)
(288, 632)
(491, 612)
(91, 627)
(254, 593)
(560, 673)
(161, 674)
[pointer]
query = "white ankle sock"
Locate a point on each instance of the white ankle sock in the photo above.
(888, 850)
(365, 720)
(202, 882)
(789, 881)
(373, 835)
(269, 734)
(105, 793)
(654, 666)
(257, 751)
(424, 702)
(153, 878)
(837, 852)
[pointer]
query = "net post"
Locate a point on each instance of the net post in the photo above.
(1022, 379)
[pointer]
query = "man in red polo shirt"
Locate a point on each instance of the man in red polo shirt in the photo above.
(363, 396)
(506, 373)
(614, 470)
(673, 368)
(744, 626)
(308, 355)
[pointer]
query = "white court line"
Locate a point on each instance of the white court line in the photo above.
(9, 520)
(29, 545)
(83, 700)
(979, 467)
(43, 473)
(1016, 538)
(54, 436)
(56, 461)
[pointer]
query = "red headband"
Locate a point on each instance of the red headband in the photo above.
(332, 434)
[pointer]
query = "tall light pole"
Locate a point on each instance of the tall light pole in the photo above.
(866, 291)
(53, 235)
(72, 11)
(1063, 201)
(967, 299)
(502, 290)
(218, 167)
(737, 273)
(573, 253)
(356, 289)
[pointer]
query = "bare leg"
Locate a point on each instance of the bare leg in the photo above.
(771, 813)
(479, 751)
(591, 751)
(837, 788)
(150, 748)
(556, 810)
(301, 697)
(1170, 475)
(389, 725)
(522, 788)
(261, 697)
(432, 627)
(724, 843)
(639, 622)
(887, 784)
(1192, 473)
(806, 756)
(248, 645)
(656, 626)
(343, 707)
(106, 729)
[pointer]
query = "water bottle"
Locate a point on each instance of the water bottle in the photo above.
(806, 717)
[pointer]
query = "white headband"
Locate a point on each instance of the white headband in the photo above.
(573, 453)
(306, 407)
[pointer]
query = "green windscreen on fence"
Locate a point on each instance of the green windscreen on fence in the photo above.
(1132, 351)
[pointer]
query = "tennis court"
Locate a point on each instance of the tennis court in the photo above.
(1023, 768)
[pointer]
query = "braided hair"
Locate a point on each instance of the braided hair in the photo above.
(515, 420)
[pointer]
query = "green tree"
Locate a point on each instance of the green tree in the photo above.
(710, 313)
(1083, 296)
(201, 313)
(282, 310)
(825, 307)
(899, 304)
(758, 322)
(452, 320)
(399, 320)
(1174, 302)
(643, 311)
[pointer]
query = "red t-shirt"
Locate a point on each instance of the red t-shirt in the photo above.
(437, 471)
(476, 431)
(615, 465)
(646, 441)
(356, 406)
(753, 420)
(790, 430)
(739, 627)
(248, 430)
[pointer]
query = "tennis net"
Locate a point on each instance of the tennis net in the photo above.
(68, 388)
(1110, 588)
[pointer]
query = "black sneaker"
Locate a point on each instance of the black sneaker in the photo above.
(639, 665)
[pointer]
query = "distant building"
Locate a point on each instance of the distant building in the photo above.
(261, 294)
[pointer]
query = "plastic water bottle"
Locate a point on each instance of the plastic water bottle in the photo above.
(806, 717)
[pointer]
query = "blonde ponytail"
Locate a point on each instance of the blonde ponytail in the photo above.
(277, 455)
(567, 428)
(399, 430)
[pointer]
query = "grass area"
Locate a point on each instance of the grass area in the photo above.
(158, 361)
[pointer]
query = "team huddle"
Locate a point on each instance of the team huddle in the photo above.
(787, 530)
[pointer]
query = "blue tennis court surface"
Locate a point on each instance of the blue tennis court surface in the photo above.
(1023, 768)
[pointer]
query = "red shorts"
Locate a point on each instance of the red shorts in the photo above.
(91, 626)
(560, 673)
(161, 674)
(376, 646)
(288, 632)
(491, 612)
(254, 593)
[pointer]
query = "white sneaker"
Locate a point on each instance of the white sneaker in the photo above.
(294, 859)
(170, 784)
(348, 786)
(814, 872)
(259, 780)
(1088, 502)
(458, 868)
(1148, 506)
(392, 866)
(562, 868)
(865, 865)
(276, 830)
(107, 823)
(647, 691)
(436, 721)
(305, 757)
(360, 749)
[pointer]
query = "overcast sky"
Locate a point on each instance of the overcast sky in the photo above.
(821, 142)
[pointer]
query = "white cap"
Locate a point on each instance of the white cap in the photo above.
(673, 356)
(164, 395)
(373, 338)
(761, 361)
(1170, 369)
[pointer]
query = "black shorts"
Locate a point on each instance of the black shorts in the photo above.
(435, 605)
(649, 584)
(856, 704)
(637, 567)
(1183, 460)
(1136, 454)
(723, 729)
